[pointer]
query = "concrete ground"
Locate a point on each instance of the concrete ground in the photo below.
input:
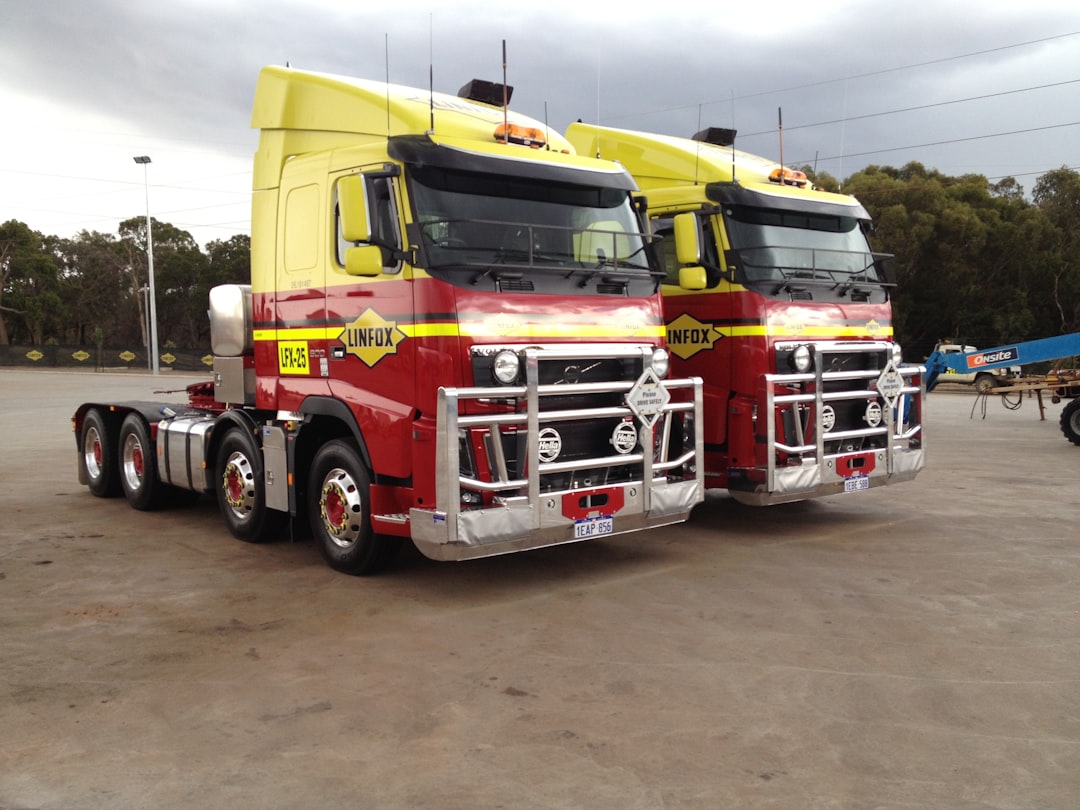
(912, 647)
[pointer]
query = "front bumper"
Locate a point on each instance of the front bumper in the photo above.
(815, 460)
(519, 510)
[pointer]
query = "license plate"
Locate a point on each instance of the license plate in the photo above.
(856, 483)
(593, 527)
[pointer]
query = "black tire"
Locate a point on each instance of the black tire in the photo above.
(241, 488)
(138, 465)
(985, 383)
(97, 455)
(339, 507)
(1070, 421)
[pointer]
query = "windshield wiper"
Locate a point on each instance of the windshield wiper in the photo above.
(500, 274)
(862, 279)
(618, 268)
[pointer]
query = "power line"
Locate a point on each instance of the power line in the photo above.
(1028, 174)
(868, 74)
(850, 118)
(139, 184)
(947, 142)
(924, 106)
(906, 67)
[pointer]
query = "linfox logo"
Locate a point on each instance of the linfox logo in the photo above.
(456, 105)
(371, 337)
(998, 356)
(503, 325)
(686, 336)
(794, 326)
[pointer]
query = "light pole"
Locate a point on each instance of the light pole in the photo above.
(145, 160)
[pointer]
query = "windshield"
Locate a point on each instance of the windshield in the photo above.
(775, 244)
(487, 222)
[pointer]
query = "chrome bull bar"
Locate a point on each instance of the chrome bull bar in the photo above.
(518, 513)
(810, 470)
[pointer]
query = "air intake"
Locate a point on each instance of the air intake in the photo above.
(486, 92)
(717, 136)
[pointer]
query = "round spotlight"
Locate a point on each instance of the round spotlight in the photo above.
(505, 367)
(801, 359)
(897, 354)
(828, 418)
(661, 363)
(873, 414)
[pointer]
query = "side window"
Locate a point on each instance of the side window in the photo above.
(665, 230)
(383, 219)
(710, 251)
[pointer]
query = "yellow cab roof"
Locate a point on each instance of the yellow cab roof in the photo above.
(678, 165)
(303, 111)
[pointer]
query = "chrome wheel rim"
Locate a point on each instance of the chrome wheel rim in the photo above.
(133, 462)
(238, 484)
(93, 453)
(341, 508)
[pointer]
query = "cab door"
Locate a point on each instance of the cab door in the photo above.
(699, 324)
(299, 313)
(370, 316)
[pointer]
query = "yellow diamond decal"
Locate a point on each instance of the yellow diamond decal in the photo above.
(34, 355)
(371, 337)
(686, 336)
(127, 356)
(81, 356)
(208, 360)
(168, 358)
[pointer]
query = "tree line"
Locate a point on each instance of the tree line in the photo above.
(976, 262)
(91, 289)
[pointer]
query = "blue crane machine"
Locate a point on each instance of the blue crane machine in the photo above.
(1063, 385)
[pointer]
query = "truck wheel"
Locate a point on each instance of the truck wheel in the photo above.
(240, 487)
(1070, 421)
(138, 465)
(339, 505)
(98, 458)
(984, 383)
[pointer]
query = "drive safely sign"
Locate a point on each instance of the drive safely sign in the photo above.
(648, 398)
(890, 384)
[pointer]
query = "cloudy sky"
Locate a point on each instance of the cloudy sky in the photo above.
(984, 87)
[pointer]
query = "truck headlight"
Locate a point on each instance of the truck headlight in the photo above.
(661, 363)
(897, 354)
(505, 367)
(801, 358)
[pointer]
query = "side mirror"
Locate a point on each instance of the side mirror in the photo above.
(886, 264)
(353, 209)
(693, 278)
(687, 239)
(365, 260)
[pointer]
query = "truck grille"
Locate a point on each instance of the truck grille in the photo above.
(567, 372)
(836, 407)
(570, 402)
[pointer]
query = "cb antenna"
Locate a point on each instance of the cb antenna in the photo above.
(697, 151)
(506, 99)
(431, 72)
(780, 126)
(597, 154)
(386, 51)
(598, 105)
(733, 180)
